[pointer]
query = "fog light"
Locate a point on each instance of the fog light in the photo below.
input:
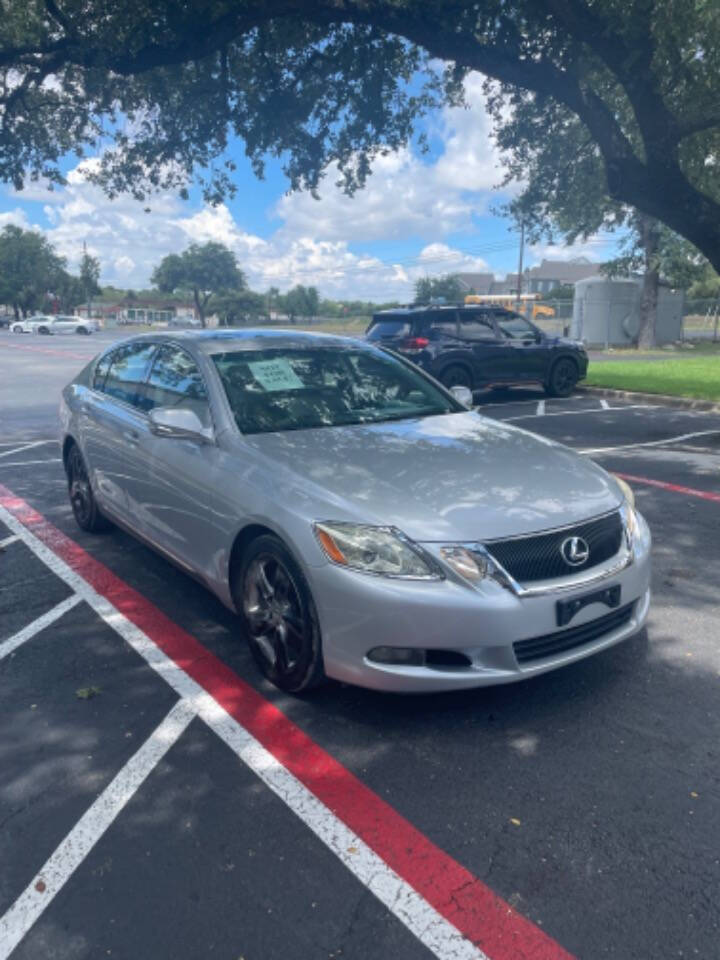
(407, 656)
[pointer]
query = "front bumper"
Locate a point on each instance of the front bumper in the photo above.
(358, 612)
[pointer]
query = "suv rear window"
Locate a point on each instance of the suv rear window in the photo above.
(387, 329)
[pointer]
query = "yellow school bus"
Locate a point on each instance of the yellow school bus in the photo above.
(529, 304)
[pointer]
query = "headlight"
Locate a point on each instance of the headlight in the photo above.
(626, 489)
(380, 550)
(628, 510)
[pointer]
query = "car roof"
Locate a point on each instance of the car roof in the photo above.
(221, 341)
(419, 309)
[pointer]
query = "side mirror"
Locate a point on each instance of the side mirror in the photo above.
(180, 423)
(463, 395)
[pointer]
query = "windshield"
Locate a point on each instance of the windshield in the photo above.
(302, 388)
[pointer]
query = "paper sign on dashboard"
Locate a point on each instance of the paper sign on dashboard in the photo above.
(275, 375)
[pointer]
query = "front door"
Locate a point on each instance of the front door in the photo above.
(185, 514)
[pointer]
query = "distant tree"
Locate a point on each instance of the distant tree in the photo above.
(301, 302)
(565, 291)
(234, 307)
(29, 269)
(89, 276)
(706, 286)
(203, 270)
(447, 287)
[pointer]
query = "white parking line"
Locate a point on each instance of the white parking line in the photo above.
(540, 412)
(651, 443)
(7, 541)
(12, 643)
(26, 446)
(429, 925)
(604, 404)
(574, 413)
(28, 463)
(515, 403)
(56, 871)
(12, 443)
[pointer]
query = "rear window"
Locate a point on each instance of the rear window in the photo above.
(388, 329)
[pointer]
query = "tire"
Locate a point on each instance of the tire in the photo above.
(278, 616)
(456, 375)
(17, 329)
(44, 331)
(82, 499)
(563, 378)
(83, 331)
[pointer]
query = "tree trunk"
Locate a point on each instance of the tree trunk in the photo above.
(649, 229)
(199, 306)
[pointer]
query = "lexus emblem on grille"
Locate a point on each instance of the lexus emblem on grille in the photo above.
(575, 551)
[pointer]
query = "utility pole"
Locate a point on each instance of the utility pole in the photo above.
(520, 265)
(88, 289)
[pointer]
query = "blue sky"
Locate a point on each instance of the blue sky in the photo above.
(417, 215)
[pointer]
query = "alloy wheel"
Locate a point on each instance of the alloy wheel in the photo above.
(274, 614)
(81, 498)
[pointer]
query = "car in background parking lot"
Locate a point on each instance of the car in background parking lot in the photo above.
(29, 324)
(66, 324)
(477, 346)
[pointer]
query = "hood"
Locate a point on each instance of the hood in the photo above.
(455, 477)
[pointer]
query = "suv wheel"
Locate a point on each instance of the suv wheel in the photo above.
(456, 375)
(563, 377)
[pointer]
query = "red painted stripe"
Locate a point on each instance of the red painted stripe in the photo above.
(674, 487)
(466, 902)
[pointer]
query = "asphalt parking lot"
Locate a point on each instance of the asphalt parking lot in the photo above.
(159, 800)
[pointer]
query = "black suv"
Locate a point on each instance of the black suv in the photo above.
(475, 346)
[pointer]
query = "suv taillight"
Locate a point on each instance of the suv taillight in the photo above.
(414, 344)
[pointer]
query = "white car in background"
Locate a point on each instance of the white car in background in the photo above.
(66, 324)
(29, 324)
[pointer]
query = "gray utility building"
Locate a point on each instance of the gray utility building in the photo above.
(607, 312)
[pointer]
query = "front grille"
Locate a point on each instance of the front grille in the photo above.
(538, 647)
(538, 556)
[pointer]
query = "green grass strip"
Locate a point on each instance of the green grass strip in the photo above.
(695, 377)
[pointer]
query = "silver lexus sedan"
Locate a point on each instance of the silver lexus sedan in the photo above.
(360, 519)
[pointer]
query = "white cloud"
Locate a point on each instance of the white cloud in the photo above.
(130, 241)
(407, 195)
(16, 217)
(597, 247)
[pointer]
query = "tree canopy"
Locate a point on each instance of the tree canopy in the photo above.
(161, 86)
(203, 270)
(32, 275)
(447, 288)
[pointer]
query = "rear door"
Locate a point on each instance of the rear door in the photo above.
(528, 352)
(115, 431)
(65, 324)
(490, 352)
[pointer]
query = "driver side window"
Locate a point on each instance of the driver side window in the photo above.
(175, 381)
